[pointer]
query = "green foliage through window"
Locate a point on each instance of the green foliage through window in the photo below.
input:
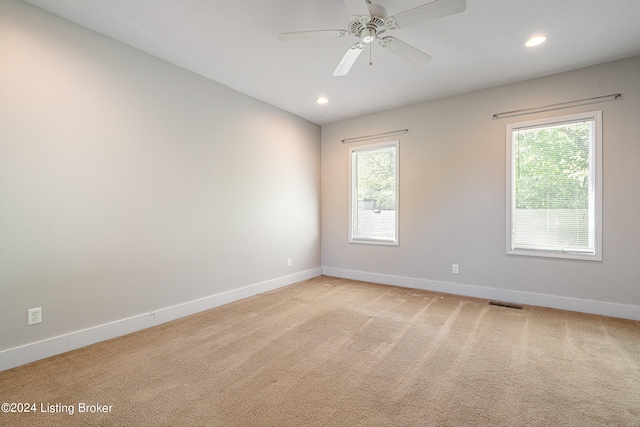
(376, 177)
(552, 167)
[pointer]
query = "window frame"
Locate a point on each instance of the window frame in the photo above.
(595, 154)
(353, 198)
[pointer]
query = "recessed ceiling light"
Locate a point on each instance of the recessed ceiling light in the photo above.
(322, 100)
(535, 41)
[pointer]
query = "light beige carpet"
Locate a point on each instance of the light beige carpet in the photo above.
(334, 352)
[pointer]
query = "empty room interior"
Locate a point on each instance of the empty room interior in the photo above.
(335, 212)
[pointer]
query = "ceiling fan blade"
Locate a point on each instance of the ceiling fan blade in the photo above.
(348, 59)
(405, 51)
(426, 12)
(357, 7)
(319, 34)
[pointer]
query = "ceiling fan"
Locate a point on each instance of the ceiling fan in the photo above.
(369, 21)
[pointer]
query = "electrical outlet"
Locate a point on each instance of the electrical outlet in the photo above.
(454, 269)
(34, 316)
(289, 262)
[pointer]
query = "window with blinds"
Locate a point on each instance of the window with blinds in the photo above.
(374, 194)
(554, 187)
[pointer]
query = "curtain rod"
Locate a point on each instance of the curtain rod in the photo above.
(558, 106)
(379, 135)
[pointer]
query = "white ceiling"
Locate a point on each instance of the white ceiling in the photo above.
(235, 43)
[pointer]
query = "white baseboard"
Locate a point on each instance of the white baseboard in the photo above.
(623, 311)
(31, 352)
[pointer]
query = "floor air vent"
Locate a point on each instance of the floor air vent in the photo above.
(507, 305)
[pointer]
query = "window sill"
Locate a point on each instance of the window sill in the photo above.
(374, 242)
(555, 254)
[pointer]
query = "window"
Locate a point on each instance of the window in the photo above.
(374, 194)
(554, 187)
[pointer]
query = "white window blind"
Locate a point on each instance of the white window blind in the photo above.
(555, 187)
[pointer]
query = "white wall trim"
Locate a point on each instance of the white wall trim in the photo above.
(12, 357)
(623, 311)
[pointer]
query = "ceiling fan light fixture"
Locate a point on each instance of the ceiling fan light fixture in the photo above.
(535, 41)
(368, 35)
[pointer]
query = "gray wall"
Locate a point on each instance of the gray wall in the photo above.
(452, 197)
(128, 184)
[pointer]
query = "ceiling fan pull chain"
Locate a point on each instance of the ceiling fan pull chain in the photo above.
(370, 49)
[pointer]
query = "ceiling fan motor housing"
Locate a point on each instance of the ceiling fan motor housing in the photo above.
(377, 11)
(368, 27)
